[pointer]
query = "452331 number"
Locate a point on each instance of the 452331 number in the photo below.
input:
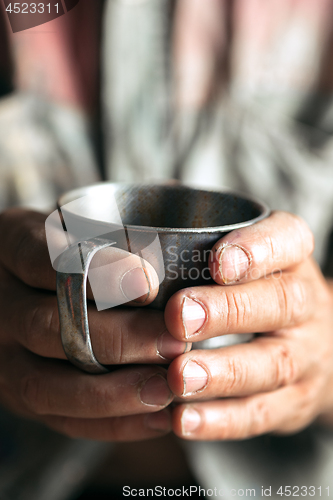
(32, 8)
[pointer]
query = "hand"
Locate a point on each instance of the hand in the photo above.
(282, 380)
(36, 379)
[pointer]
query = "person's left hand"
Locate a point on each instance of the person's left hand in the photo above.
(282, 380)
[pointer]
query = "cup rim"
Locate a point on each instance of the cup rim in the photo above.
(74, 194)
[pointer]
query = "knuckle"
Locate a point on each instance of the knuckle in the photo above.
(249, 418)
(286, 370)
(31, 330)
(236, 376)
(24, 256)
(238, 307)
(306, 407)
(115, 350)
(274, 247)
(40, 323)
(291, 298)
(32, 393)
(229, 426)
(257, 418)
(307, 242)
(102, 400)
(308, 400)
(110, 346)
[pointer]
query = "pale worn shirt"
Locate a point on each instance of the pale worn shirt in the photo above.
(213, 92)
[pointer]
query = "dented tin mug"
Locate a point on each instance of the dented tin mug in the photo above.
(171, 226)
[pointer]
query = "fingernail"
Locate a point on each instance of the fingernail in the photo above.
(159, 421)
(193, 316)
(234, 263)
(169, 348)
(195, 378)
(190, 420)
(155, 391)
(135, 285)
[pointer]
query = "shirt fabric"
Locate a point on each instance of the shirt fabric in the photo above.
(253, 112)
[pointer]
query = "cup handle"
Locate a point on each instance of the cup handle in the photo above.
(72, 303)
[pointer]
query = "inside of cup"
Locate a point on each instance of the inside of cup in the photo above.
(160, 206)
(183, 207)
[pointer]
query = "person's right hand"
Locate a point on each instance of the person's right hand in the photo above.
(37, 381)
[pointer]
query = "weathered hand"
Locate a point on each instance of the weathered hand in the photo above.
(280, 381)
(38, 381)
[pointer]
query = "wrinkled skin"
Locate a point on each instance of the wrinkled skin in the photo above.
(281, 381)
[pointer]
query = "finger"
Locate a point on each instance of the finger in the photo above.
(274, 244)
(116, 429)
(50, 387)
(116, 276)
(199, 313)
(286, 410)
(24, 251)
(263, 365)
(119, 336)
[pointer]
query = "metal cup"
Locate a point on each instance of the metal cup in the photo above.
(173, 227)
